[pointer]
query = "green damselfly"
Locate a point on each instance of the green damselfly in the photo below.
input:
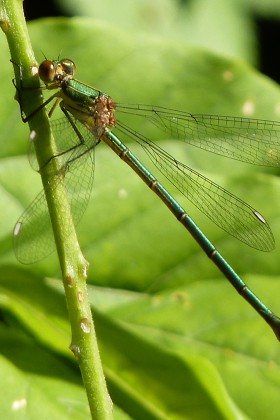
(90, 116)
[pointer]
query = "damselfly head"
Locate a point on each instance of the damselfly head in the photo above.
(56, 71)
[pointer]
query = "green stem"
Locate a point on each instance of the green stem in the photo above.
(73, 264)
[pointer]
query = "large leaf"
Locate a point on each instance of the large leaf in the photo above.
(223, 26)
(166, 320)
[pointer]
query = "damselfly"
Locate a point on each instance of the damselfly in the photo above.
(90, 117)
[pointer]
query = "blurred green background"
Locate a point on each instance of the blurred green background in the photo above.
(250, 29)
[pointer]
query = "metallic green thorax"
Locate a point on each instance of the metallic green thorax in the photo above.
(90, 106)
(78, 95)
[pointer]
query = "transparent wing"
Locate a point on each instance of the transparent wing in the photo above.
(249, 140)
(226, 210)
(33, 236)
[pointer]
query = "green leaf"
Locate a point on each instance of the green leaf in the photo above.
(36, 383)
(178, 386)
(223, 26)
(165, 319)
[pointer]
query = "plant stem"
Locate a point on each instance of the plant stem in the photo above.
(73, 265)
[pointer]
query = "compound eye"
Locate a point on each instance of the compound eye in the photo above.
(68, 66)
(47, 71)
